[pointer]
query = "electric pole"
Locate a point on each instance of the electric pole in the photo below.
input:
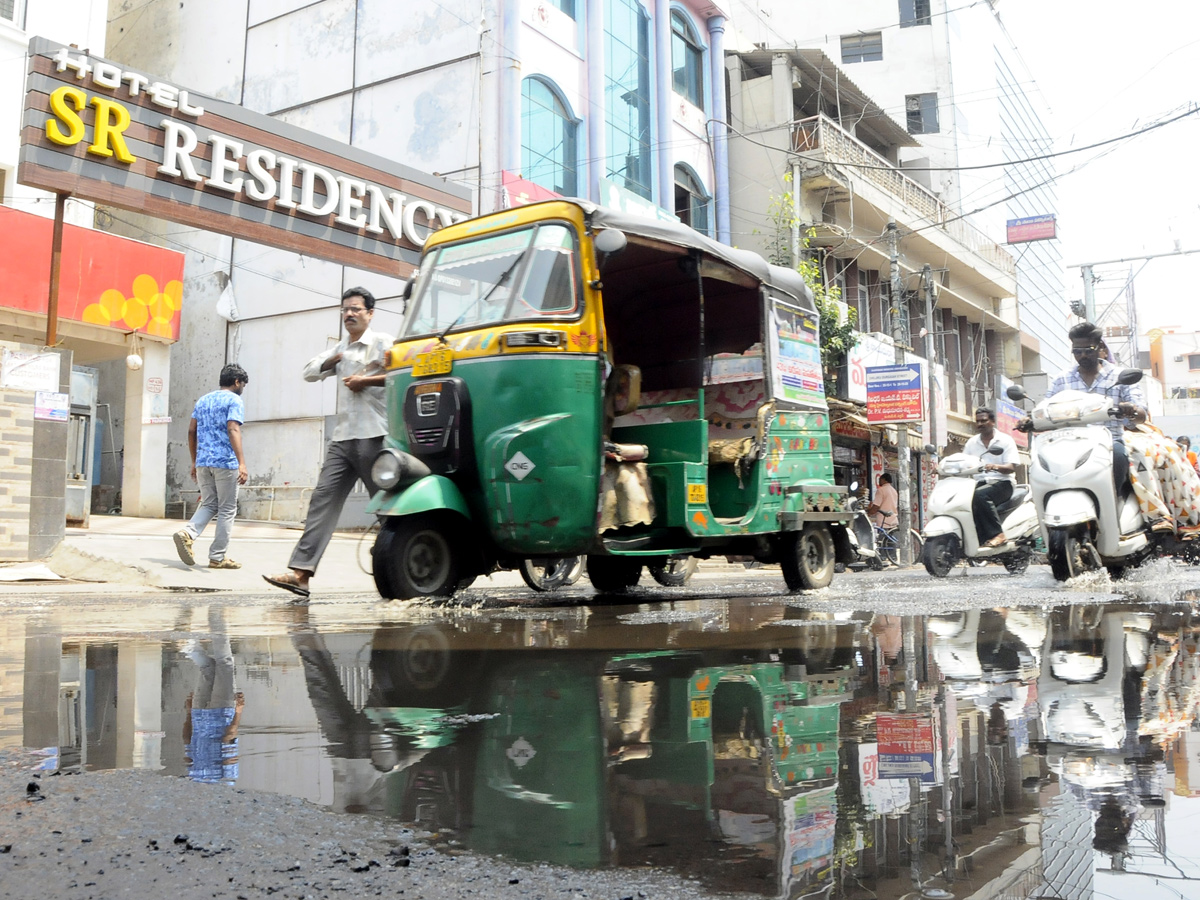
(903, 454)
(927, 276)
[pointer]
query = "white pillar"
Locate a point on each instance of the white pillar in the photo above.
(144, 477)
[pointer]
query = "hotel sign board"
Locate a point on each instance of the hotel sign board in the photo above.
(100, 131)
(1034, 228)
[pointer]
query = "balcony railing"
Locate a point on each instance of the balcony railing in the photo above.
(820, 133)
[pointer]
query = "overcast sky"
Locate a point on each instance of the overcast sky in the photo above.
(1108, 68)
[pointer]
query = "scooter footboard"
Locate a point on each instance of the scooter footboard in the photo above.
(1069, 508)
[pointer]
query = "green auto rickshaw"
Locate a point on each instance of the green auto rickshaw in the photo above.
(573, 380)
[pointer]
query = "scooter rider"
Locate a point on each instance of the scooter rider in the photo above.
(1095, 375)
(994, 484)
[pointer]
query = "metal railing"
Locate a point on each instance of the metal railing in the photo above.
(821, 134)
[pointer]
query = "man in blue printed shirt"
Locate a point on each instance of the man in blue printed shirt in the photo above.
(1095, 375)
(218, 466)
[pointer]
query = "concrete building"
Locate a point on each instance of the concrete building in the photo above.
(811, 153)
(951, 74)
(608, 99)
(61, 400)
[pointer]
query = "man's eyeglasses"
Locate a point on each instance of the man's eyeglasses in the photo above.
(353, 309)
(1083, 351)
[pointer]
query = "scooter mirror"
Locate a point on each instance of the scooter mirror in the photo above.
(1016, 392)
(930, 450)
(1130, 376)
(995, 449)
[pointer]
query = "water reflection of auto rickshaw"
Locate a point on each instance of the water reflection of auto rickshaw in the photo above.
(591, 759)
(572, 380)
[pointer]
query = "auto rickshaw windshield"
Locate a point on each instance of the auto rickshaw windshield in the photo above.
(529, 273)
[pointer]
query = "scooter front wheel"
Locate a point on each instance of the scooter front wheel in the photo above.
(940, 554)
(1069, 557)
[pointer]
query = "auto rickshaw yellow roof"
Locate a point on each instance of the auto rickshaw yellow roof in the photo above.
(598, 218)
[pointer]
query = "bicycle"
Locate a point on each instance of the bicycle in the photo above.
(887, 546)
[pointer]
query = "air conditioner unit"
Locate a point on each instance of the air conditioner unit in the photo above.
(1179, 358)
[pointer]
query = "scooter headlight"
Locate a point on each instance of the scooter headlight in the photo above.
(386, 469)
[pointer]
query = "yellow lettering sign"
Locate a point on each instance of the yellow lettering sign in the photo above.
(111, 121)
(697, 493)
(61, 102)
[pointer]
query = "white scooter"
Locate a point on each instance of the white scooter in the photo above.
(1086, 525)
(861, 535)
(950, 534)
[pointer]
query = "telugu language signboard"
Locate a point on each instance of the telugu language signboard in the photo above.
(796, 373)
(102, 132)
(894, 394)
(906, 747)
(1033, 228)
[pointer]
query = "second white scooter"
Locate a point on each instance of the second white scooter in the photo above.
(950, 536)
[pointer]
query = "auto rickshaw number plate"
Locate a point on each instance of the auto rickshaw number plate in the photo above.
(697, 493)
(435, 362)
(701, 709)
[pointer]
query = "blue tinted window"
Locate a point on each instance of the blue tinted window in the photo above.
(548, 151)
(568, 6)
(687, 60)
(627, 95)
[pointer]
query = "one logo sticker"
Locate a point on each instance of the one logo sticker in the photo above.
(519, 466)
(521, 752)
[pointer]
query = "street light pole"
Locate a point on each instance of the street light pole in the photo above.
(927, 276)
(903, 454)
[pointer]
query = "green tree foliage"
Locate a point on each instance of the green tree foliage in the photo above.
(838, 334)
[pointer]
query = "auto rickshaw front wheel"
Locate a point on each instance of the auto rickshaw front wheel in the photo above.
(414, 557)
(807, 557)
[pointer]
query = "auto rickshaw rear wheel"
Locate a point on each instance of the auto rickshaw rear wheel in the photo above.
(613, 574)
(674, 572)
(807, 558)
(414, 557)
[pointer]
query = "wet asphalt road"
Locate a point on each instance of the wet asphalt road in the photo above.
(123, 832)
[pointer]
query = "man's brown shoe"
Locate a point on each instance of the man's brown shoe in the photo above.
(998, 541)
(225, 563)
(183, 546)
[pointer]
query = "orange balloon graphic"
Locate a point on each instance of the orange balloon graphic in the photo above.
(161, 329)
(95, 314)
(112, 302)
(144, 288)
(136, 314)
(174, 292)
(161, 309)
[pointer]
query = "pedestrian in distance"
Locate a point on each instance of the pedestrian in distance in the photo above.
(358, 362)
(887, 501)
(218, 466)
(994, 485)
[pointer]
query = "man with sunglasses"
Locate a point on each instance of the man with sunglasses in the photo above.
(1096, 375)
(358, 362)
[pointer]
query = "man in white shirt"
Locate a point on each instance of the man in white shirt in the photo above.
(887, 499)
(994, 484)
(358, 361)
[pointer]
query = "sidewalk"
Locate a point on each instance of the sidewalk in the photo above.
(133, 555)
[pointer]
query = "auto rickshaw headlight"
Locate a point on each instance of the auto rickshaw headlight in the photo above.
(386, 470)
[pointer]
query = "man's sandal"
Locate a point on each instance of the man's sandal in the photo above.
(289, 582)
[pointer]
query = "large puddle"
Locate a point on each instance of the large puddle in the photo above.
(756, 745)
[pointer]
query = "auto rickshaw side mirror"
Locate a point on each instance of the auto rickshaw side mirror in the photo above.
(1130, 376)
(625, 388)
(1016, 392)
(608, 242)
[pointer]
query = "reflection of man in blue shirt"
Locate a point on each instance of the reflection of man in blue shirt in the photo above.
(213, 710)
